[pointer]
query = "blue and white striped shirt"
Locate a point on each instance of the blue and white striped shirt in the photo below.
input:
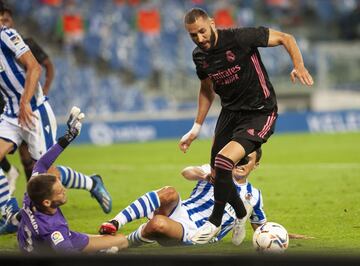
(12, 74)
(201, 201)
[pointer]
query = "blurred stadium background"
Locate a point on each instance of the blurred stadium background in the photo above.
(130, 60)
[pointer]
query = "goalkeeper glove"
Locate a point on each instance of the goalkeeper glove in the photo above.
(74, 127)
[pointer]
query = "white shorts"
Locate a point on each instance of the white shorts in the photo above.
(181, 216)
(38, 139)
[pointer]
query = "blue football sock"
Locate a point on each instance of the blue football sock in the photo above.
(141, 207)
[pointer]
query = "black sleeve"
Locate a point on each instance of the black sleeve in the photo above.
(252, 37)
(201, 75)
(199, 63)
(37, 51)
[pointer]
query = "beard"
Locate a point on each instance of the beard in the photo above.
(212, 41)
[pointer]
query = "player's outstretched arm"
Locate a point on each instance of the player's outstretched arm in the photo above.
(74, 127)
(196, 173)
(205, 99)
(288, 41)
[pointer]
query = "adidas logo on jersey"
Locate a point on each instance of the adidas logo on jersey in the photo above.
(251, 131)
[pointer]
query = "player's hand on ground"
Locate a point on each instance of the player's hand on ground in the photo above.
(74, 123)
(302, 74)
(109, 228)
(26, 116)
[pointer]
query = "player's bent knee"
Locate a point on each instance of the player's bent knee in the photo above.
(158, 224)
(168, 195)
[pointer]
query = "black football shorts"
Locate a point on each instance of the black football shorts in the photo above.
(249, 128)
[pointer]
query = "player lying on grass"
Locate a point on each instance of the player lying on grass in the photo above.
(174, 221)
(69, 179)
(43, 226)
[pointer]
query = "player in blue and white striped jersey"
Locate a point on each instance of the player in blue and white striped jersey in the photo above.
(44, 60)
(174, 221)
(27, 116)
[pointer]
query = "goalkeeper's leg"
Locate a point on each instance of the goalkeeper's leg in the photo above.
(76, 180)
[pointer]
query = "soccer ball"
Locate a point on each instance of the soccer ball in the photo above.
(271, 238)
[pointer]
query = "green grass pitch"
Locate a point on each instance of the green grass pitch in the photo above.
(310, 184)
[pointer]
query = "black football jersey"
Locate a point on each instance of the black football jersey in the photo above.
(235, 67)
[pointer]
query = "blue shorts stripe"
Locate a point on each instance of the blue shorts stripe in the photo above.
(46, 126)
(249, 188)
(259, 213)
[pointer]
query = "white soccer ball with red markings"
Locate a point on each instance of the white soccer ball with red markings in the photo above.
(271, 238)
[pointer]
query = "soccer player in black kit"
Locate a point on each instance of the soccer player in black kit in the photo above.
(229, 64)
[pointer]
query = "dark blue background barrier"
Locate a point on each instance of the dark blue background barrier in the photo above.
(104, 133)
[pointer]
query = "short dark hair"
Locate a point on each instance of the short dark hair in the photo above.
(193, 14)
(4, 8)
(258, 154)
(40, 188)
